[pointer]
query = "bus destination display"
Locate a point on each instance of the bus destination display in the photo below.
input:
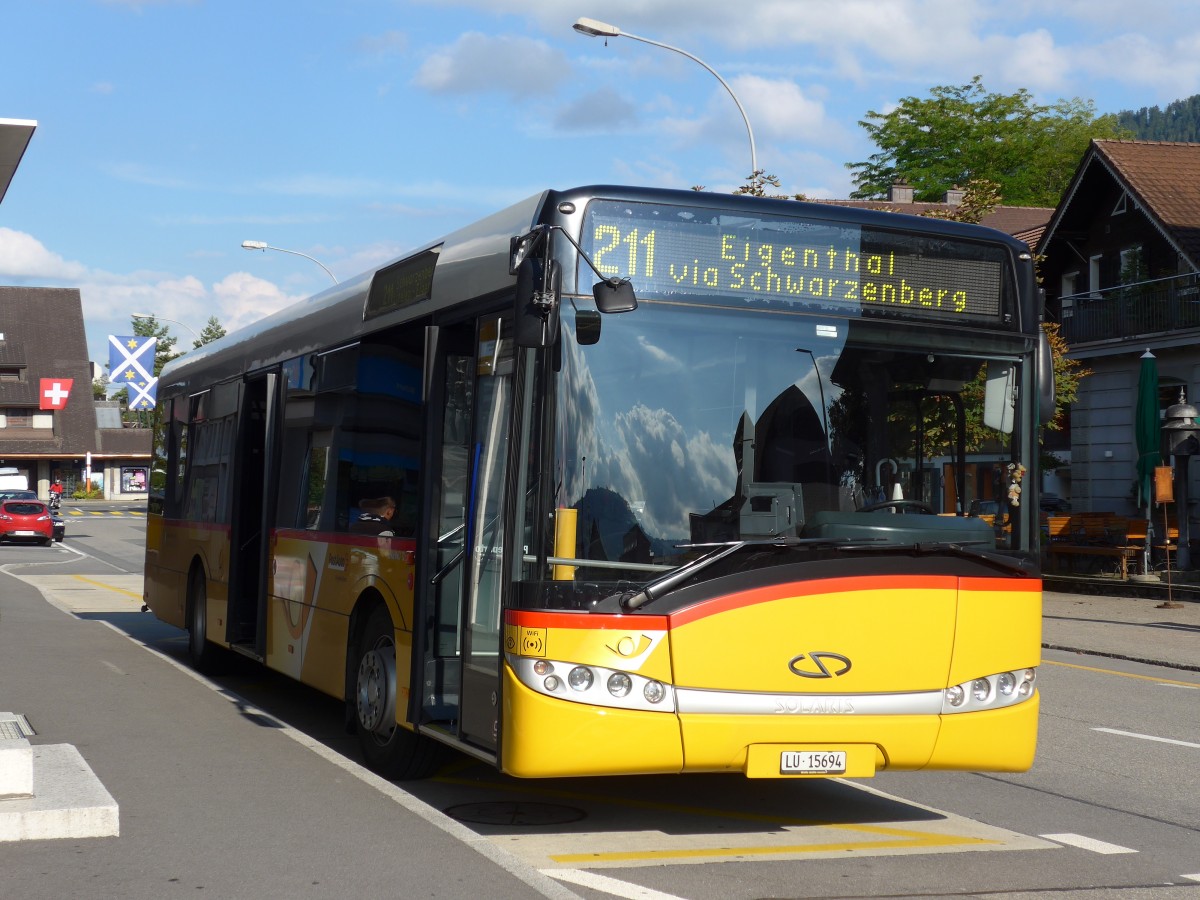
(669, 251)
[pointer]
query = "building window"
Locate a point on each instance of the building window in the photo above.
(26, 417)
(1122, 203)
(1133, 269)
(12, 373)
(18, 418)
(1094, 274)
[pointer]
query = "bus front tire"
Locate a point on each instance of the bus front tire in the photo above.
(389, 749)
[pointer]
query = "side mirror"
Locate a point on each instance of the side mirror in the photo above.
(587, 327)
(1047, 409)
(535, 319)
(998, 410)
(614, 295)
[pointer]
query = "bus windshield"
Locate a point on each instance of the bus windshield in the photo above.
(693, 425)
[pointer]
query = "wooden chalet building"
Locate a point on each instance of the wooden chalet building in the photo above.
(1120, 263)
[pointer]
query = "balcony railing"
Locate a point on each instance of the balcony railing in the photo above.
(1132, 310)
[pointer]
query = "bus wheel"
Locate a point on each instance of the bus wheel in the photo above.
(202, 654)
(390, 750)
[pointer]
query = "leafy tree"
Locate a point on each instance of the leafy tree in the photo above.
(212, 331)
(961, 133)
(758, 183)
(1179, 121)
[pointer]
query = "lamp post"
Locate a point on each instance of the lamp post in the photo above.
(593, 28)
(264, 246)
(165, 319)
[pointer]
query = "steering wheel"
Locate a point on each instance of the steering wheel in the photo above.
(900, 506)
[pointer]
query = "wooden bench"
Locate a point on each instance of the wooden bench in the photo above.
(1097, 536)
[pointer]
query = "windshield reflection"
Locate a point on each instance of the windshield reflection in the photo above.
(715, 426)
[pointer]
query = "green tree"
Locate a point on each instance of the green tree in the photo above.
(213, 330)
(963, 133)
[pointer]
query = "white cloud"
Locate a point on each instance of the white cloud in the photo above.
(110, 298)
(1032, 60)
(779, 108)
(23, 256)
(603, 111)
(518, 66)
(242, 298)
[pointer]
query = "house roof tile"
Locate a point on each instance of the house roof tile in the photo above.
(1164, 177)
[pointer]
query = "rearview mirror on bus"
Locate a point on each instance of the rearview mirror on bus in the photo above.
(614, 295)
(535, 320)
(998, 405)
(1047, 400)
(587, 327)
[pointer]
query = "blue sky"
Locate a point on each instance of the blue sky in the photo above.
(169, 131)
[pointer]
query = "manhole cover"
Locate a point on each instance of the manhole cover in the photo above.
(505, 812)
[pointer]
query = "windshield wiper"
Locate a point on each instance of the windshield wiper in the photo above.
(660, 587)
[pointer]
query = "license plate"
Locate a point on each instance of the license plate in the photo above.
(812, 762)
(26, 533)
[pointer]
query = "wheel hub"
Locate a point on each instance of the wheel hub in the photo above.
(376, 689)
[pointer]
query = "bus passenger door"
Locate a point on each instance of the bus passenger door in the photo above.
(494, 364)
(462, 659)
(248, 544)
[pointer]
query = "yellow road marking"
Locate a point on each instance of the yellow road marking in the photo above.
(1119, 674)
(890, 838)
(904, 840)
(107, 587)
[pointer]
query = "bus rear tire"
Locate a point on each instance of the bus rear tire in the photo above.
(389, 749)
(202, 654)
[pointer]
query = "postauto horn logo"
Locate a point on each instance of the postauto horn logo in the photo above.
(813, 665)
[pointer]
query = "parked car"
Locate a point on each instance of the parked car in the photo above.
(1052, 503)
(27, 520)
(18, 495)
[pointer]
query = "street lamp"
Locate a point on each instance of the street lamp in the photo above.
(264, 246)
(165, 319)
(592, 28)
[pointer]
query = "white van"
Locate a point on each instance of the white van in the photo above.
(11, 479)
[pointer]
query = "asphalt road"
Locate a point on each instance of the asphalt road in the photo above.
(245, 786)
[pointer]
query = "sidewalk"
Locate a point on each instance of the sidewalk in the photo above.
(1135, 628)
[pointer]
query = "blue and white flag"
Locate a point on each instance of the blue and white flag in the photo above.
(131, 364)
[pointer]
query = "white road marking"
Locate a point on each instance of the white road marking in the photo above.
(1148, 737)
(607, 885)
(1086, 843)
(547, 887)
(1195, 877)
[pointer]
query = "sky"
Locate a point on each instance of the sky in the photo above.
(352, 131)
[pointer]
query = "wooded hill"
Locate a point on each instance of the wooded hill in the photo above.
(1180, 121)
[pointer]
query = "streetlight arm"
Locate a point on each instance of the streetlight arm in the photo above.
(263, 245)
(165, 319)
(593, 28)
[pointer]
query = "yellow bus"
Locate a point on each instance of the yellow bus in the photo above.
(622, 480)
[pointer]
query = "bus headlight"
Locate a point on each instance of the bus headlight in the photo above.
(592, 684)
(990, 692)
(580, 678)
(619, 684)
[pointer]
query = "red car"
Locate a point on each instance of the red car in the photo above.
(26, 520)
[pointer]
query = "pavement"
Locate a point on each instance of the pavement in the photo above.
(1153, 630)
(196, 785)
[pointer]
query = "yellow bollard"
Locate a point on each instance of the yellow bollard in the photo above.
(564, 541)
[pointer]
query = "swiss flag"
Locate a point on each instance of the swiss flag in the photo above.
(54, 392)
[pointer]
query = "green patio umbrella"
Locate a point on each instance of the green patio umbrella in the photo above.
(1147, 430)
